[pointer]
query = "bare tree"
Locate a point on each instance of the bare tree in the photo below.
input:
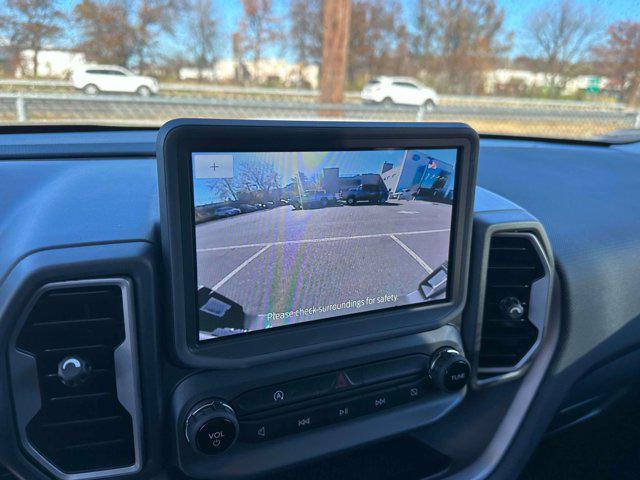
(238, 43)
(224, 189)
(422, 40)
(171, 63)
(561, 35)
(30, 24)
(376, 33)
(259, 176)
(460, 40)
(620, 58)
(260, 29)
(153, 18)
(124, 32)
(305, 32)
(203, 27)
(105, 32)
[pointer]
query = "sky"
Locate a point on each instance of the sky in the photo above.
(517, 12)
(311, 163)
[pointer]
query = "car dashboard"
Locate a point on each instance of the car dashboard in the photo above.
(82, 280)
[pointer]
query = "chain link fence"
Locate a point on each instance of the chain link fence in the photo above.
(491, 115)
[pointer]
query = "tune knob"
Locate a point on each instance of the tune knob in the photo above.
(211, 427)
(449, 370)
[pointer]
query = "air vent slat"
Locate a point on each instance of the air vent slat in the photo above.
(81, 397)
(89, 433)
(514, 264)
(80, 321)
(80, 423)
(67, 335)
(98, 456)
(91, 445)
(81, 427)
(101, 381)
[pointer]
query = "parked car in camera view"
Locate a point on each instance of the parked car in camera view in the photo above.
(223, 212)
(313, 199)
(93, 79)
(246, 208)
(365, 193)
(405, 194)
(399, 91)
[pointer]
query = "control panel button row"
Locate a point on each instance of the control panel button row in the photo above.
(302, 420)
(325, 384)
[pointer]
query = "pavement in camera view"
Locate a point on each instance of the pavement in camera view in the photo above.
(283, 259)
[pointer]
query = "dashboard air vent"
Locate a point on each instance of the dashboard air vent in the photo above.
(509, 330)
(81, 425)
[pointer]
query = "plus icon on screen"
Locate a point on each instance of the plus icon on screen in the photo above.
(211, 165)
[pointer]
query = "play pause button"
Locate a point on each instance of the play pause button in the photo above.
(342, 411)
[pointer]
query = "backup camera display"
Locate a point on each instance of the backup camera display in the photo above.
(283, 238)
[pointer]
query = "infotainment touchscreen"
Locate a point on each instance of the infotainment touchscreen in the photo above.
(283, 238)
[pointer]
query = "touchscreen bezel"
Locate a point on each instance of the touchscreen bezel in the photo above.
(178, 139)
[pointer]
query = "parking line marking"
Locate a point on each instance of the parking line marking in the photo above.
(240, 267)
(318, 240)
(413, 254)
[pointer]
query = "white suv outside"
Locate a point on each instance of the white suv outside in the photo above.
(93, 79)
(400, 91)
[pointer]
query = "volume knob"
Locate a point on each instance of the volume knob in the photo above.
(211, 427)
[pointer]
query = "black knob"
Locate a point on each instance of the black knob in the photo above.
(449, 370)
(74, 371)
(512, 308)
(211, 427)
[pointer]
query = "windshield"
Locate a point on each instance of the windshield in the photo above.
(565, 69)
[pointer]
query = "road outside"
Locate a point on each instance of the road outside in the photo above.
(275, 261)
(486, 114)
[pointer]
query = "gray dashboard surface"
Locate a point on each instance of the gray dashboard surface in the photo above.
(102, 187)
(90, 188)
(55, 203)
(588, 199)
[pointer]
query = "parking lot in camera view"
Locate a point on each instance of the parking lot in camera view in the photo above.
(282, 259)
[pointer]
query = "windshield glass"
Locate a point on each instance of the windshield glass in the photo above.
(564, 69)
